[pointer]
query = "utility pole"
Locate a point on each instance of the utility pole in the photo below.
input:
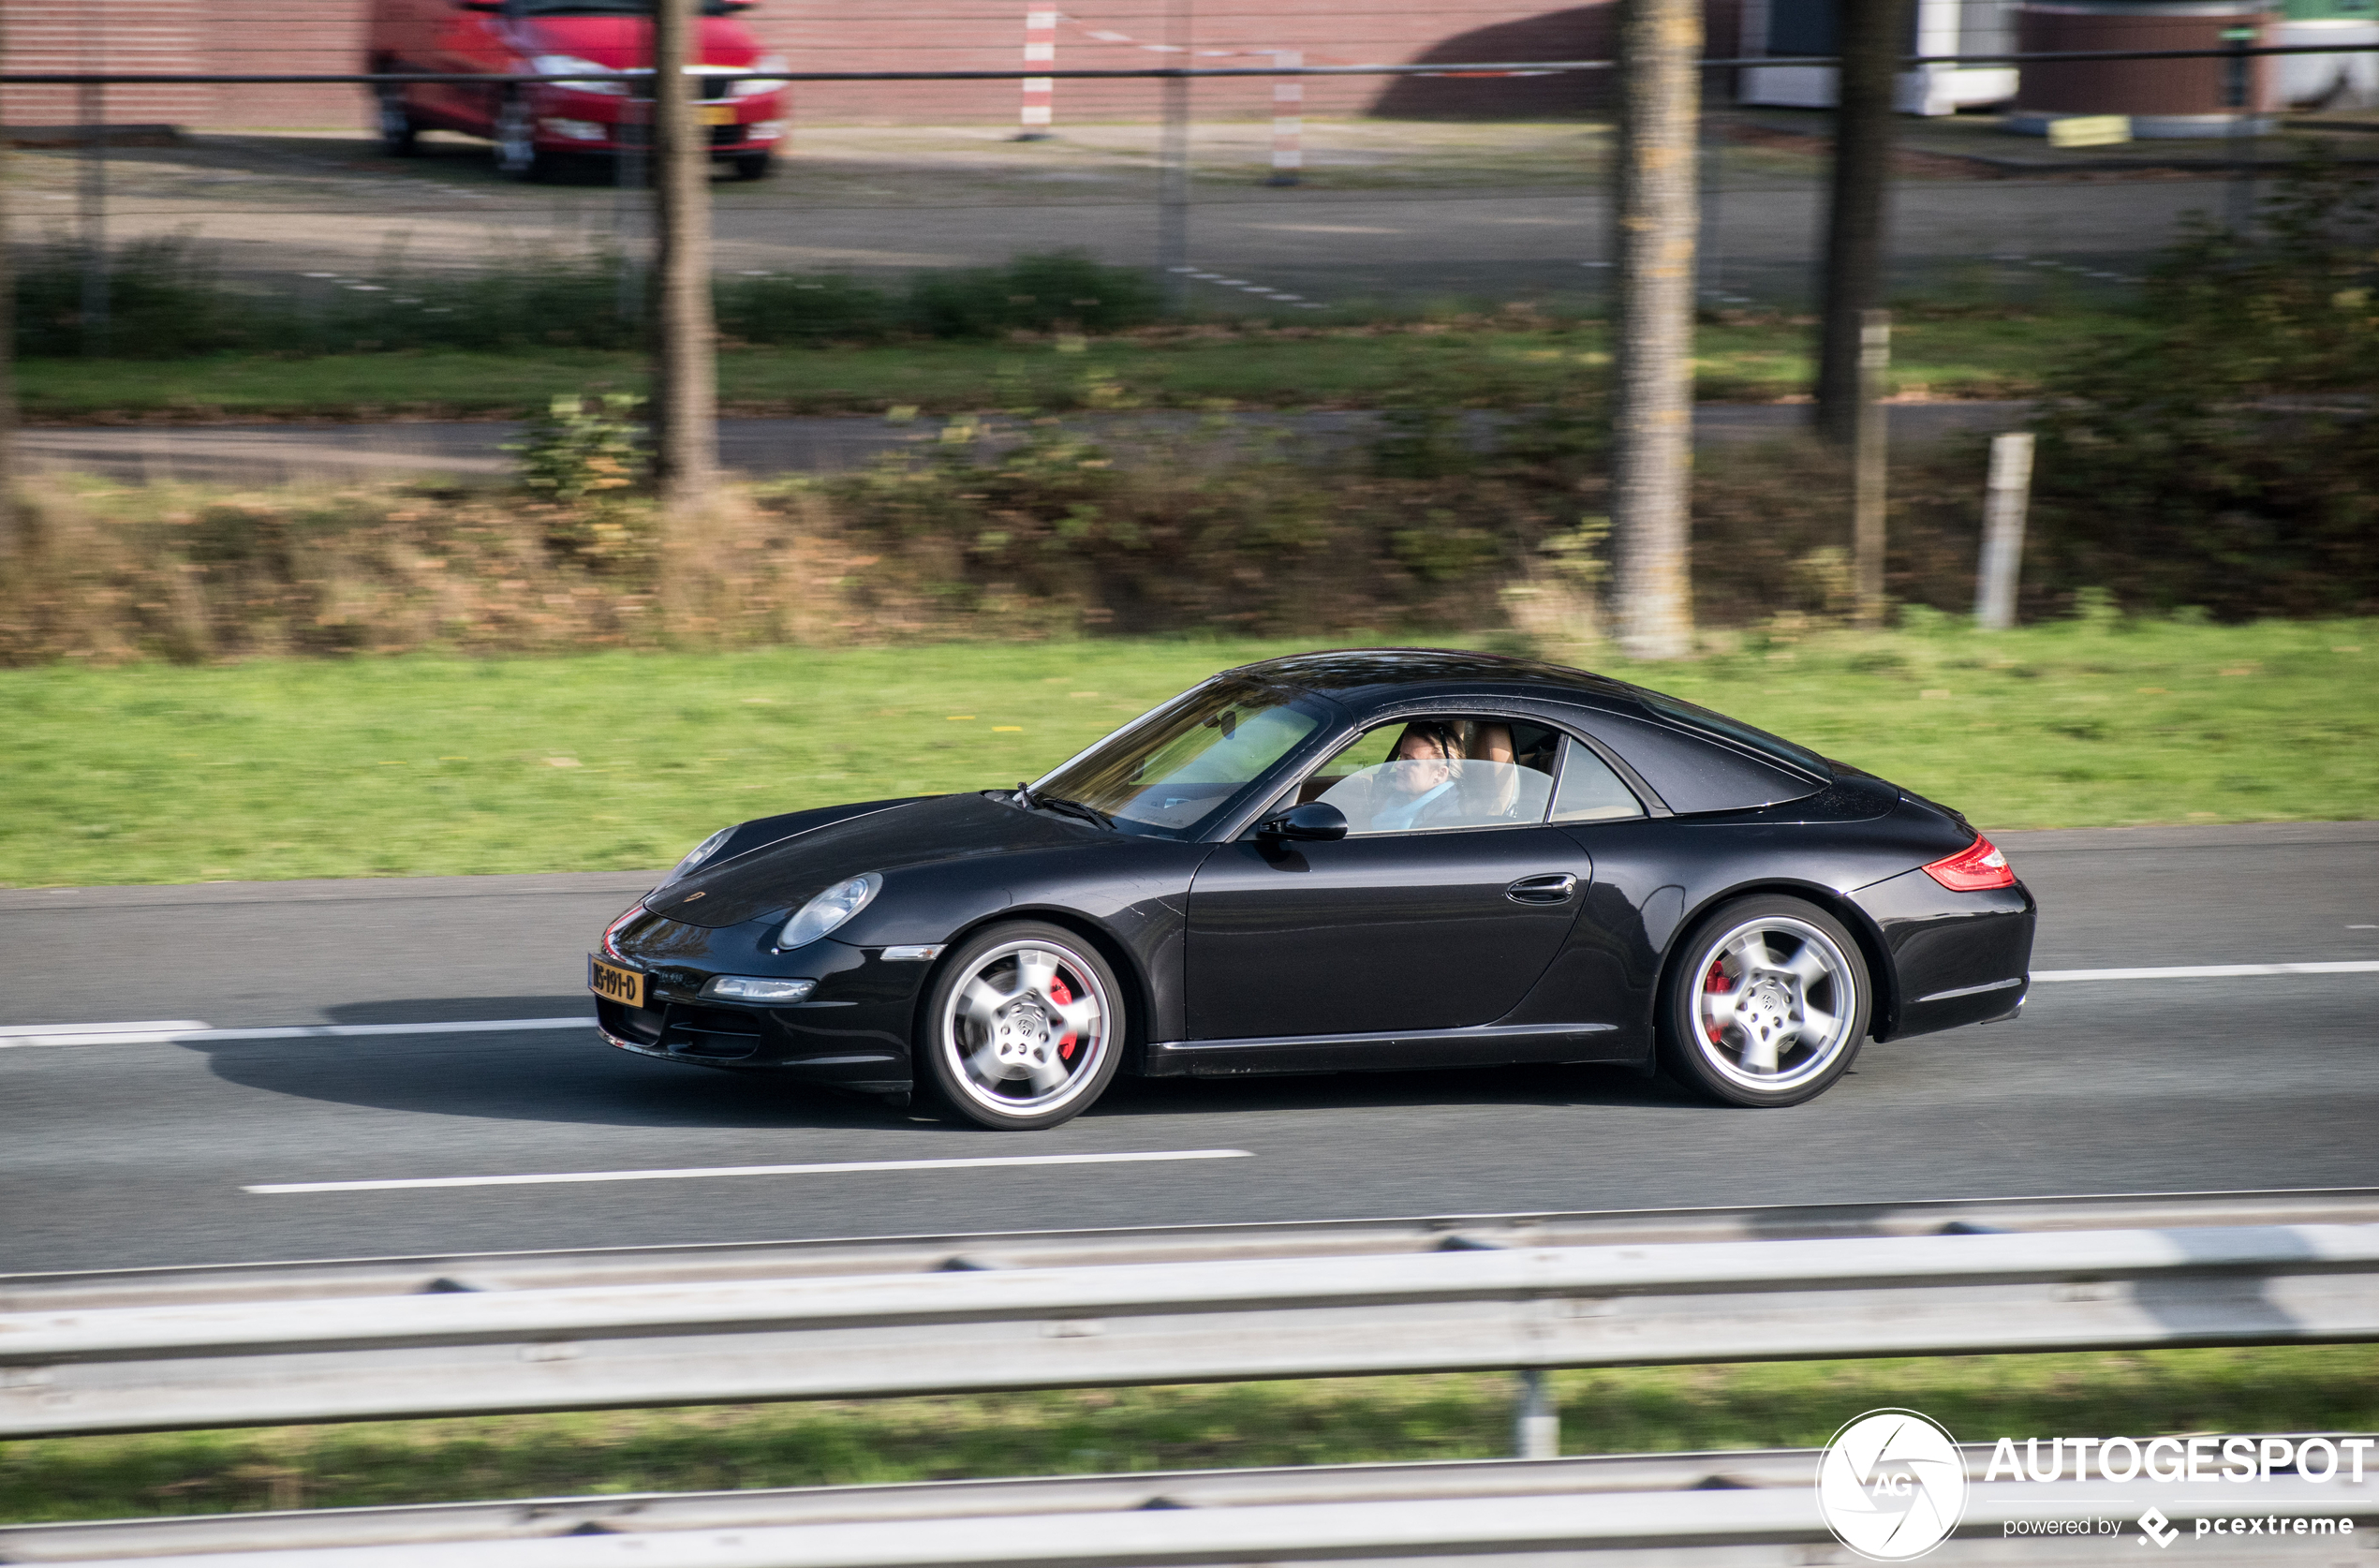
(1652, 357)
(1872, 36)
(685, 333)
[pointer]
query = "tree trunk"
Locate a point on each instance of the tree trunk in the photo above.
(1871, 35)
(684, 347)
(1652, 419)
(7, 346)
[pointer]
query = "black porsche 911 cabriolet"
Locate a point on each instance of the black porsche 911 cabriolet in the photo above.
(1375, 859)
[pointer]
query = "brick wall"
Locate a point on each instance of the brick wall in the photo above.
(840, 35)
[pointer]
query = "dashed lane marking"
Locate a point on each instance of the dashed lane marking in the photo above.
(179, 1031)
(846, 1167)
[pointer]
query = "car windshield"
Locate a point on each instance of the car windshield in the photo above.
(1169, 772)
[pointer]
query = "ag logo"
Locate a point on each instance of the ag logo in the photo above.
(1891, 1485)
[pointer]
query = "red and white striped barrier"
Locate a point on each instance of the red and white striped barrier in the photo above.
(1040, 49)
(1288, 119)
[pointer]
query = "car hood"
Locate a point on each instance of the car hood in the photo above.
(786, 875)
(622, 43)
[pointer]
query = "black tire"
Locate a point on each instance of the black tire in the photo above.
(1004, 1057)
(753, 166)
(400, 138)
(516, 150)
(1766, 1004)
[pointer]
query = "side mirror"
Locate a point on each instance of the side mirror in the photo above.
(1315, 821)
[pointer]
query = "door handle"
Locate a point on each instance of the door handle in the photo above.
(1551, 888)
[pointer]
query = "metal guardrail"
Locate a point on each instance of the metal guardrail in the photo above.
(840, 1257)
(65, 1369)
(1689, 1508)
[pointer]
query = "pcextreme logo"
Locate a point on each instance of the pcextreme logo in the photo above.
(1891, 1485)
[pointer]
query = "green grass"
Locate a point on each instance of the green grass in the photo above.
(1633, 1410)
(1951, 356)
(424, 766)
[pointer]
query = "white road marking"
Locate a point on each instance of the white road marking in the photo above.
(838, 1168)
(179, 1031)
(2208, 971)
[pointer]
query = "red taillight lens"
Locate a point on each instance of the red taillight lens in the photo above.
(1974, 868)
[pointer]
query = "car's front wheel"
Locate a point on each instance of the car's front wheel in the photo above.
(1768, 1004)
(1023, 1027)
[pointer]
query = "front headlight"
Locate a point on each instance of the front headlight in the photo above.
(828, 911)
(571, 64)
(698, 853)
(752, 87)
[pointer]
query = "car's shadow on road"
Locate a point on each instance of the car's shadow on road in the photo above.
(569, 1076)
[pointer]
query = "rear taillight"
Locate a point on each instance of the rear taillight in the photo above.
(1974, 868)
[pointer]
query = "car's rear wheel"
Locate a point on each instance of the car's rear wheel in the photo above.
(516, 152)
(1768, 1004)
(400, 137)
(1023, 1027)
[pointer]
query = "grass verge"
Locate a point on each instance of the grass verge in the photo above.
(426, 765)
(1625, 1410)
(1468, 363)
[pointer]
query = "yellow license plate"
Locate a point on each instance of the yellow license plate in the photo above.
(613, 984)
(716, 113)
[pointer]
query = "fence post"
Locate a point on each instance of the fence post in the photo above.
(1034, 119)
(2005, 494)
(1536, 1426)
(92, 108)
(1870, 451)
(1288, 120)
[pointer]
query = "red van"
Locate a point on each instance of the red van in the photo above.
(533, 124)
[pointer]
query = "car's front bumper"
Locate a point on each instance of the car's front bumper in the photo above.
(852, 1031)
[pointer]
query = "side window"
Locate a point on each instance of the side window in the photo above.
(1428, 775)
(1589, 792)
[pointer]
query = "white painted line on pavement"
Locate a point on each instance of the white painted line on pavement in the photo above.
(2208, 971)
(839, 1168)
(177, 1031)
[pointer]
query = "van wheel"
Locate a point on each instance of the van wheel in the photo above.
(516, 151)
(394, 118)
(754, 166)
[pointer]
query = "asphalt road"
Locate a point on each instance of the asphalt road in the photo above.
(123, 1154)
(473, 451)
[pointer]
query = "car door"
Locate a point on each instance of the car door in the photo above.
(1406, 925)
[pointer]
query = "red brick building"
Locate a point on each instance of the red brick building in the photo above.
(259, 36)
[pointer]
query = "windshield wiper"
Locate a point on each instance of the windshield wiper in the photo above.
(1073, 808)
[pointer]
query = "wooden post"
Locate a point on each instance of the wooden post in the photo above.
(2005, 496)
(7, 343)
(1870, 456)
(684, 347)
(1653, 362)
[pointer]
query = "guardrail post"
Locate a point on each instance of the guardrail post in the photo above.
(2005, 494)
(1536, 1426)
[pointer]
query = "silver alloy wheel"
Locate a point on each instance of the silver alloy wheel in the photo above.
(515, 137)
(1028, 1030)
(1774, 1003)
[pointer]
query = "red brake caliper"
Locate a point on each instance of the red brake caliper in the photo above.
(1713, 983)
(1061, 995)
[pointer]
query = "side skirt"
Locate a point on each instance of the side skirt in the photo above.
(1480, 1046)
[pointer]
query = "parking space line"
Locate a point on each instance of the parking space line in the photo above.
(847, 1167)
